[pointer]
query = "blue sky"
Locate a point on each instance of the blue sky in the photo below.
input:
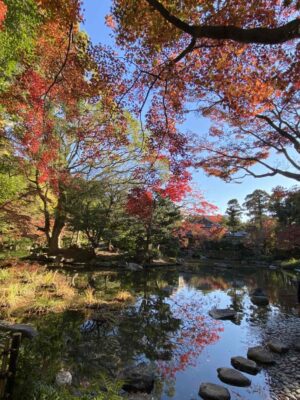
(214, 189)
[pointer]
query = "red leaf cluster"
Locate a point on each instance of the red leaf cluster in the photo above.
(140, 203)
(3, 11)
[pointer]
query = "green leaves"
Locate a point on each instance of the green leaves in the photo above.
(17, 38)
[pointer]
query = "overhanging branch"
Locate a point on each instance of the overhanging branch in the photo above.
(262, 35)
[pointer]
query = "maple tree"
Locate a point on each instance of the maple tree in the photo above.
(60, 121)
(236, 64)
(194, 232)
(238, 143)
(156, 217)
(49, 113)
(20, 22)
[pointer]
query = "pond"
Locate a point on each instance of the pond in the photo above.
(168, 326)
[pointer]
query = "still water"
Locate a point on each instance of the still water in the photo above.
(168, 326)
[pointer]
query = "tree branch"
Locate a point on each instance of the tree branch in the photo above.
(262, 35)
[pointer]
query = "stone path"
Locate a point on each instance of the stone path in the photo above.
(280, 355)
(222, 313)
(245, 365)
(233, 377)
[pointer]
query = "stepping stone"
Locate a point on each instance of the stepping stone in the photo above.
(211, 391)
(245, 365)
(277, 347)
(222, 313)
(261, 355)
(233, 377)
(260, 300)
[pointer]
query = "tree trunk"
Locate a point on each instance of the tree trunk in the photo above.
(59, 223)
(148, 245)
(54, 241)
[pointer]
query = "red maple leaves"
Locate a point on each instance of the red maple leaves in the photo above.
(3, 11)
(140, 203)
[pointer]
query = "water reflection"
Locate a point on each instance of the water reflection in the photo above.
(167, 325)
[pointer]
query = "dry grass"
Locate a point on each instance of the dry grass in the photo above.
(89, 297)
(124, 296)
(31, 288)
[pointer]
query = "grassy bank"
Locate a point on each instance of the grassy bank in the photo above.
(33, 289)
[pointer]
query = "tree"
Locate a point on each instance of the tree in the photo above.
(95, 208)
(179, 39)
(19, 24)
(277, 205)
(285, 205)
(256, 204)
(233, 211)
(153, 221)
(293, 206)
(205, 58)
(269, 35)
(48, 109)
(239, 142)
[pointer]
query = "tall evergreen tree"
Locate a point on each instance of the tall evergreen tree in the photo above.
(257, 204)
(234, 211)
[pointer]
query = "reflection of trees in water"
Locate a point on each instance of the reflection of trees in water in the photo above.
(282, 289)
(280, 285)
(146, 328)
(42, 358)
(173, 330)
(208, 282)
(196, 332)
(164, 325)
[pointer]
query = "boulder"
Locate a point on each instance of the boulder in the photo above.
(211, 391)
(63, 378)
(27, 331)
(139, 378)
(258, 292)
(233, 377)
(260, 355)
(245, 365)
(277, 347)
(134, 267)
(260, 300)
(219, 313)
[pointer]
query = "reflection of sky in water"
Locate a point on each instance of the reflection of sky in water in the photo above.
(169, 323)
(233, 341)
(207, 290)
